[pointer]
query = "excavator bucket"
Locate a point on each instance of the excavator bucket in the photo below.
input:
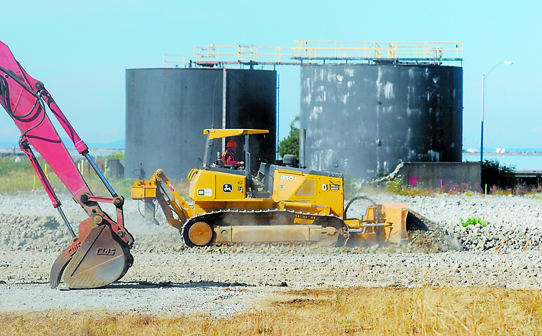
(100, 259)
(100, 255)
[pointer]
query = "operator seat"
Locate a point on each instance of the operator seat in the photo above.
(266, 172)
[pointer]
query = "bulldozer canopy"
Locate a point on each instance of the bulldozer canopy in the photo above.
(224, 133)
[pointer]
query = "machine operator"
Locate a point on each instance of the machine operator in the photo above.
(227, 157)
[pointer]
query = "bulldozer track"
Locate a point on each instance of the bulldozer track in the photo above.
(267, 217)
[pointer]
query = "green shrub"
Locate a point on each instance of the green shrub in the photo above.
(395, 185)
(473, 221)
(493, 174)
(290, 145)
(116, 156)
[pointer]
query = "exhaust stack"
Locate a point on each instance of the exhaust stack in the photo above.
(302, 137)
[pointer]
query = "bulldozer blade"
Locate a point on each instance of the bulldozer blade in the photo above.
(101, 259)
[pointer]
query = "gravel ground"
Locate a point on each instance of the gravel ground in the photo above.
(170, 278)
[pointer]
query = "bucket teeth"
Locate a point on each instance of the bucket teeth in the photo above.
(58, 267)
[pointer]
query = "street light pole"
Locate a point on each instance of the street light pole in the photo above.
(482, 123)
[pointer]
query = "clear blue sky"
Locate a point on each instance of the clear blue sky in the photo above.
(80, 50)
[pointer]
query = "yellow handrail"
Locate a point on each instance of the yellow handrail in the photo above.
(320, 50)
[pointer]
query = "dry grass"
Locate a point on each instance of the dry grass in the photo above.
(20, 176)
(28, 181)
(15, 181)
(357, 311)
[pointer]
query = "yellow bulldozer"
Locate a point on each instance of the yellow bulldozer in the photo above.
(278, 205)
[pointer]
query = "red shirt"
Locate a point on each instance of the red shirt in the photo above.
(228, 159)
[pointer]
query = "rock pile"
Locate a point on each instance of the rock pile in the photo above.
(498, 238)
(32, 233)
(513, 223)
(28, 222)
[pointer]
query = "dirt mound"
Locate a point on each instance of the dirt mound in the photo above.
(45, 233)
(32, 233)
(425, 235)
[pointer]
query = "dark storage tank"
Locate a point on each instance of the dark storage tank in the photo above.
(167, 110)
(365, 119)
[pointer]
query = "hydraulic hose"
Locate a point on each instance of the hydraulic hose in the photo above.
(355, 199)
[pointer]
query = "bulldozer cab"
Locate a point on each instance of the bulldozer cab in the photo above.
(213, 134)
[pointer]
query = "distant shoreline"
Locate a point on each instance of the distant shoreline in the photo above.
(121, 150)
(503, 154)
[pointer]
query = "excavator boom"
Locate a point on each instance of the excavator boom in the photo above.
(100, 253)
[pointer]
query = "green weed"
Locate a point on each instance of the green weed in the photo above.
(474, 221)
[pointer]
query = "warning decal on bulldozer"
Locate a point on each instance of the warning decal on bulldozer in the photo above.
(205, 192)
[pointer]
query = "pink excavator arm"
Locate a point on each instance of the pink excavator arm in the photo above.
(99, 255)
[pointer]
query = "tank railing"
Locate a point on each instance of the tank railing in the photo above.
(320, 51)
(336, 49)
(395, 50)
(241, 53)
(423, 51)
(174, 61)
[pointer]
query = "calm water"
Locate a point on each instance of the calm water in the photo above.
(530, 162)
